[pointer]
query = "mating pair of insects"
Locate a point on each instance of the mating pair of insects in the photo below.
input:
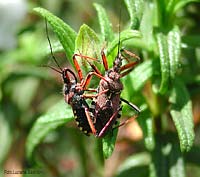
(101, 115)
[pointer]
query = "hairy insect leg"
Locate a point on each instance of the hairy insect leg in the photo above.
(129, 66)
(77, 66)
(130, 54)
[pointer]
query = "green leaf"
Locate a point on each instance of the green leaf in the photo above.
(145, 121)
(109, 143)
(135, 9)
(105, 24)
(181, 112)
(64, 32)
(167, 159)
(174, 50)
(133, 163)
(141, 74)
(182, 3)
(87, 44)
(160, 12)
(176, 162)
(58, 115)
(159, 165)
(146, 28)
(170, 6)
(164, 62)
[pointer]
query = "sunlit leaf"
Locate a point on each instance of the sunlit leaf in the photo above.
(135, 9)
(87, 44)
(105, 24)
(164, 62)
(174, 50)
(64, 32)
(181, 112)
(141, 74)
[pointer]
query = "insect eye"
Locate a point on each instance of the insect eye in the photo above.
(66, 80)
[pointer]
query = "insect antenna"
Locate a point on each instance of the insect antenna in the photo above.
(54, 58)
(118, 50)
(53, 68)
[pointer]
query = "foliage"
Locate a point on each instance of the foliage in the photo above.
(165, 85)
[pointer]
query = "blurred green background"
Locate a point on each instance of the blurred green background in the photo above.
(146, 147)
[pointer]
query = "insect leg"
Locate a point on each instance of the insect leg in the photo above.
(131, 105)
(86, 82)
(104, 59)
(105, 128)
(129, 66)
(128, 120)
(90, 121)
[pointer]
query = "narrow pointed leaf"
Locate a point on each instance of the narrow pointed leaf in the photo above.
(64, 32)
(181, 112)
(135, 9)
(58, 115)
(164, 62)
(141, 74)
(105, 24)
(146, 28)
(145, 121)
(174, 50)
(109, 143)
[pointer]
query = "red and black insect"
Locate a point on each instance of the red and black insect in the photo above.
(74, 91)
(106, 107)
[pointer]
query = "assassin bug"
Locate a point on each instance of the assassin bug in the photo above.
(106, 107)
(74, 91)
